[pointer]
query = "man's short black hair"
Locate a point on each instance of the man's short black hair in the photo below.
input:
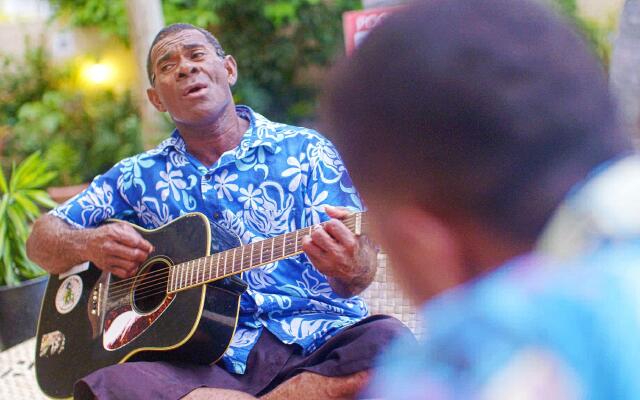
(175, 28)
(491, 108)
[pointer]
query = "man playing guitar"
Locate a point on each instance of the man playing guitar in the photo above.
(301, 330)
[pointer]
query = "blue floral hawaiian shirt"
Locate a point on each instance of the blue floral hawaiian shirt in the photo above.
(278, 179)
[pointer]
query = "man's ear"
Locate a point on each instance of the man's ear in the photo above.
(155, 99)
(424, 250)
(232, 69)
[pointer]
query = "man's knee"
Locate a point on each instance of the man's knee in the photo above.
(319, 387)
(347, 386)
(217, 394)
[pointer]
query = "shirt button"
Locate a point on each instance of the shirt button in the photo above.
(216, 215)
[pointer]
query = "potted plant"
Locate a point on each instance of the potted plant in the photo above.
(22, 282)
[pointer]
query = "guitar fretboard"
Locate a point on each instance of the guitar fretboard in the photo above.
(239, 259)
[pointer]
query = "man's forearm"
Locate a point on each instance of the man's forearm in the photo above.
(55, 245)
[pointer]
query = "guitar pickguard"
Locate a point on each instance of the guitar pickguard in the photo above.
(123, 324)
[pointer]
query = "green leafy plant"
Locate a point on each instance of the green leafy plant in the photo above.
(22, 197)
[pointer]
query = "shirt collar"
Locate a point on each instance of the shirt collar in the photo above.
(261, 133)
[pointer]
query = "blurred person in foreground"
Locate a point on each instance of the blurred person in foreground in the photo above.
(466, 124)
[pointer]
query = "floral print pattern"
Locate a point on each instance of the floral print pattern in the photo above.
(277, 180)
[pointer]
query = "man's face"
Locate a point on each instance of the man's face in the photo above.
(191, 81)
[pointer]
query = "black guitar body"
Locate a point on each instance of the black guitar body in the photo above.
(90, 319)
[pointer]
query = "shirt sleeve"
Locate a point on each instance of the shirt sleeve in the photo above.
(329, 183)
(100, 201)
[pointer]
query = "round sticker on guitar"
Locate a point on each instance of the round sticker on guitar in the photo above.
(69, 294)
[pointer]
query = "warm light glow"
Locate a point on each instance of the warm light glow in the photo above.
(98, 74)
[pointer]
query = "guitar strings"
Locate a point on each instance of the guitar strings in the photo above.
(159, 287)
(127, 283)
(162, 281)
(158, 278)
(148, 291)
(151, 282)
(128, 280)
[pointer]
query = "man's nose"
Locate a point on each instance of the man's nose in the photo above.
(186, 67)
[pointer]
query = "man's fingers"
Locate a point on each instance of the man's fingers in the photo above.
(323, 240)
(131, 238)
(312, 249)
(120, 273)
(119, 267)
(337, 212)
(127, 253)
(340, 233)
(118, 248)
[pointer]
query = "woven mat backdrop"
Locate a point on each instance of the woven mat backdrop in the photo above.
(385, 297)
(17, 377)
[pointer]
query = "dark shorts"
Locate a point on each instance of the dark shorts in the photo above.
(270, 363)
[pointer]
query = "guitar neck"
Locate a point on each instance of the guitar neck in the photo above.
(243, 258)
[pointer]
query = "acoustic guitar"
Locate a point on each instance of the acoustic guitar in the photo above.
(182, 304)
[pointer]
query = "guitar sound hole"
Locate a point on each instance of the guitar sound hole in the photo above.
(151, 286)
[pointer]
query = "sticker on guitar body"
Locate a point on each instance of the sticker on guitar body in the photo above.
(52, 344)
(69, 294)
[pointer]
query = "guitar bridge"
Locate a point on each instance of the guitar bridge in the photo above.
(95, 304)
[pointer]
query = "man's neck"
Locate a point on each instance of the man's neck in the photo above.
(208, 142)
(486, 248)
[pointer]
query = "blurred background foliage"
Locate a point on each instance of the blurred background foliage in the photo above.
(597, 34)
(80, 132)
(282, 48)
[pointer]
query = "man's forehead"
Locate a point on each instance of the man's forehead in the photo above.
(178, 40)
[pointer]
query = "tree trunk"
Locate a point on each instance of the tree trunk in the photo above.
(145, 20)
(625, 68)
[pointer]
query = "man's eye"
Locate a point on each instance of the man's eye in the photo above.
(198, 54)
(165, 67)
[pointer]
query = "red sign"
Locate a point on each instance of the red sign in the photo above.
(357, 24)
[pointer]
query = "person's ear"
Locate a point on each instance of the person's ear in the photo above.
(154, 98)
(425, 253)
(232, 69)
